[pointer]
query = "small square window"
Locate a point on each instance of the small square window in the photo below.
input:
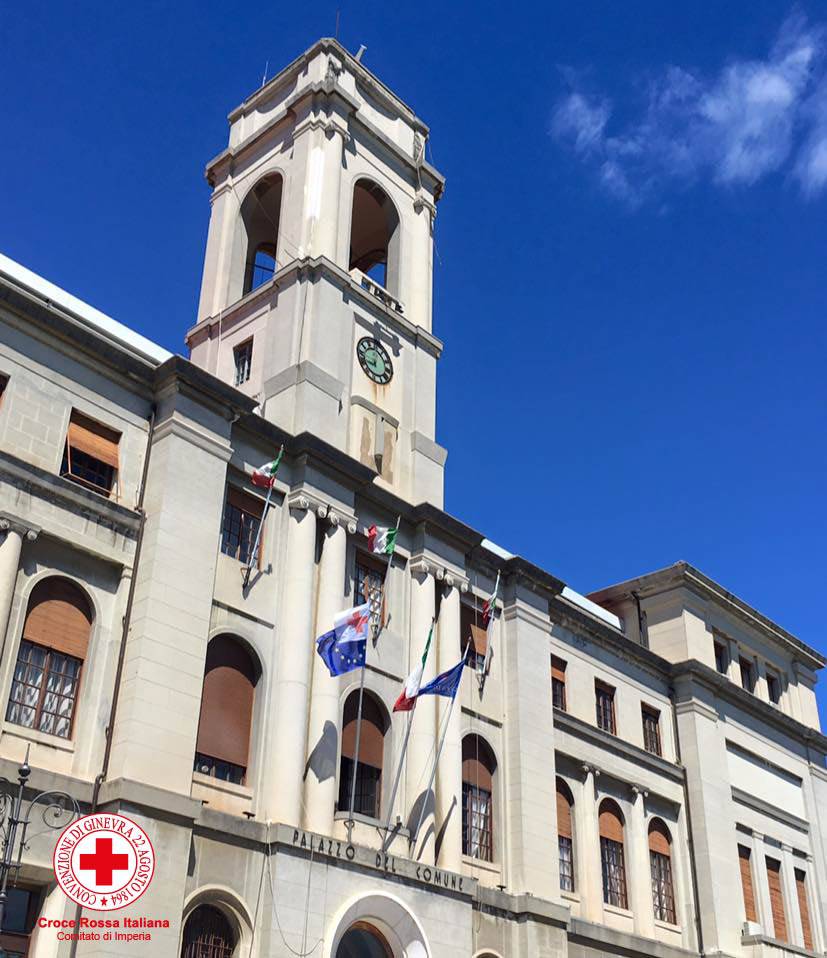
(90, 456)
(773, 687)
(243, 361)
(242, 515)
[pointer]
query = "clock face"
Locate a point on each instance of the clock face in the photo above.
(374, 359)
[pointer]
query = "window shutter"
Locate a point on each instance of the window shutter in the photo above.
(558, 669)
(227, 702)
(746, 883)
(477, 763)
(372, 738)
(563, 813)
(804, 908)
(479, 640)
(94, 439)
(59, 617)
(659, 839)
(244, 501)
(611, 824)
(779, 917)
(471, 630)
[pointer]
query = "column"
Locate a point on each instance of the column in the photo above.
(587, 848)
(638, 868)
(323, 731)
(423, 730)
(794, 926)
(760, 882)
(449, 772)
(10, 550)
(295, 651)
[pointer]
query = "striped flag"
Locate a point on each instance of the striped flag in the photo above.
(382, 539)
(408, 696)
(265, 475)
(489, 607)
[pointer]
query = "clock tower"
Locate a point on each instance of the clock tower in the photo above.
(317, 288)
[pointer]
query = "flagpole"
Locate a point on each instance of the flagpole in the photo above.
(380, 625)
(254, 553)
(377, 629)
(437, 756)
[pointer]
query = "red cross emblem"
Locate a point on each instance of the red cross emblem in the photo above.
(103, 862)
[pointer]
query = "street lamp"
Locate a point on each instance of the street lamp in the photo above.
(60, 809)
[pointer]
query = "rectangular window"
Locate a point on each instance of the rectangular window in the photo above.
(747, 675)
(558, 683)
(368, 788)
(779, 915)
(614, 873)
(721, 658)
(476, 822)
(216, 768)
(22, 908)
(472, 633)
(243, 361)
(242, 514)
(368, 579)
(773, 687)
(746, 883)
(605, 706)
(90, 456)
(651, 729)
(663, 896)
(804, 908)
(44, 690)
(566, 863)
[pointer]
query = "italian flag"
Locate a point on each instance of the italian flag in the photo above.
(490, 604)
(265, 475)
(408, 696)
(382, 539)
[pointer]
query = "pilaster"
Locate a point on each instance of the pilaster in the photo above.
(587, 847)
(16, 532)
(639, 868)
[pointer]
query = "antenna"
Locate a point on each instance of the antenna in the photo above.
(266, 68)
(337, 24)
(358, 56)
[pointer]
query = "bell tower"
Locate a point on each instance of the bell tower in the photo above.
(316, 295)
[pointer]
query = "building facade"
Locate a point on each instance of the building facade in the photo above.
(639, 772)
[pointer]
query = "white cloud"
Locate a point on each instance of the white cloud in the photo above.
(747, 121)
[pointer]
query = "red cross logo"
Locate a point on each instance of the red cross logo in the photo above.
(104, 862)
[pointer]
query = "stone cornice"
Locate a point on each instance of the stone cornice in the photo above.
(758, 805)
(683, 574)
(610, 743)
(68, 495)
(612, 941)
(180, 375)
(690, 672)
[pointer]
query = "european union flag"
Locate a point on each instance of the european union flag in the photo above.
(343, 648)
(447, 683)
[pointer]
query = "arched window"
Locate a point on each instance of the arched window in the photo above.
(478, 768)
(362, 940)
(208, 934)
(260, 213)
(565, 835)
(611, 855)
(50, 658)
(230, 676)
(368, 798)
(660, 860)
(374, 235)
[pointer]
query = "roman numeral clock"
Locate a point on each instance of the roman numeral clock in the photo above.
(374, 360)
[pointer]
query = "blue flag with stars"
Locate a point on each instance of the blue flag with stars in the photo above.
(343, 648)
(447, 683)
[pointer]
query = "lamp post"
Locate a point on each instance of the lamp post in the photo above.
(60, 809)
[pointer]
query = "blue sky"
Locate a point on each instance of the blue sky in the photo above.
(630, 279)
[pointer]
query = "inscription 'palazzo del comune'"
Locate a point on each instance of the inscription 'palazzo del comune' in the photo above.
(640, 772)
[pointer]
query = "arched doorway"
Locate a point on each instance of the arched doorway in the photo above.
(208, 934)
(362, 940)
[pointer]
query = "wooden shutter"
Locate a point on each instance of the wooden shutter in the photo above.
(471, 627)
(804, 908)
(659, 841)
(372, 737)
(558, 669)
(564, 829)
(227, 702)
(477, 763)
(59, 617)
(611, 822)
(746, 883)
(96, 440)
(779, 917)
(244, 501)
